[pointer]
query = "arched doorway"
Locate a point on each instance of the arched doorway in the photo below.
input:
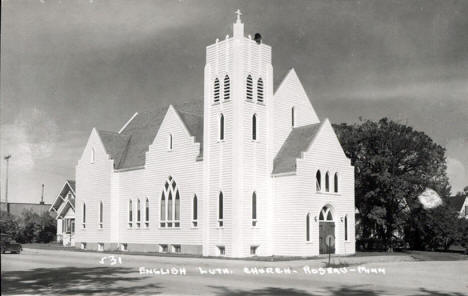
(326, 230)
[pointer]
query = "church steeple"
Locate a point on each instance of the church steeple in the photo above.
(238, 26)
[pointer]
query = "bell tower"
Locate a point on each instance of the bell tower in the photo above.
(238, 88)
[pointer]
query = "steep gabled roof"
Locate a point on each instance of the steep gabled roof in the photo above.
(297, 142)
(128, 148)
(61, 197)
(115, 145)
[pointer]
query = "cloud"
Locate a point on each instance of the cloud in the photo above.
(31, 137)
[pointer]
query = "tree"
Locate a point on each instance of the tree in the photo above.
(36, 228)
(8, 224)
(393, 165)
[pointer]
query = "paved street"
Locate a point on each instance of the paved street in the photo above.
(49, 272)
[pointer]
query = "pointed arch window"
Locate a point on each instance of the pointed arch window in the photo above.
(101, 214)
(216, 90)
(346, 228)
(221, 127)
(220, 210)
(254, 127)
(327, 182)
(335, 183)
(83, 215)
(147, 212)
(293, 117)
(227, 88)
(130, 213)
(308, 227)
(254, 209)
(93, 155)
(249, 88)
(138, 212)
(326, 215)
(170, 142)
(170, 204)
(195, 211)
(260, 90)
(318, 181)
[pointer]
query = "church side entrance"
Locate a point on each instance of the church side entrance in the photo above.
(326, 231)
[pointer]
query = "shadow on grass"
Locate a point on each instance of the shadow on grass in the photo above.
(275, 291)
(76, 281)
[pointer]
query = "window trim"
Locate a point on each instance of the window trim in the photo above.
(254, 209)
(346, 229)
(195, 211)
(249, 88)
(260, 91)
(227, 88)
(336, 183)
(130, 213)
(308, 227)
(216, 90)
(318, 181)
(327, 181)
(220, 209)
(169, 205)
(221, 127)
(83, 215)
(254, 127)
(293, 117)
(101, 215)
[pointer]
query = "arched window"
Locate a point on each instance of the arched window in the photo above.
(93, 155)
(220, 210)
(327, 182)
(318, 181)
(138, 213)
(130, 213)
(169, 142)
(254, 127)
(249, 90)
(147, 212)
(326, 214)
(162, 215)
(195, 211)
(308, 227)
(346, 228)
(227, 88)
(221, 127)
(101, 213)
(292, 117)
(170, 204)
(254, 209)
(260, 90)
(216, 90)
(335, 183)
(83, 216)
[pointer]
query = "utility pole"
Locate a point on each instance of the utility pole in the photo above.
(42, 195)
(7, 158)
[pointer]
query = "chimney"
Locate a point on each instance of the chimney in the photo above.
(42, 195)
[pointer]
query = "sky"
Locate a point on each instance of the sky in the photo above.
(69, 66)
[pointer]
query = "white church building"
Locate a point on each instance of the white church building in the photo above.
(248, 171)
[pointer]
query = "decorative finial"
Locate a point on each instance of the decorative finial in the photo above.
(239, 13)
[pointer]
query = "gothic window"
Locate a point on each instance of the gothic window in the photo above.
(254, 209)
(220, 210)
(130, 213)
(101, 210)
(227, 87)
(292, 117)
(335, 183)
(93, 155)
(254, 127)
(169, 142)
(83, 217)
(147, 212)
(216, 90)
(221, 127)
(346, 228)
(318, 181)
(170, 204)
(325, 214)
(327, 182)
(308, 227)
(138, 213)
(195, 211)
(249, 90)
(260, 90)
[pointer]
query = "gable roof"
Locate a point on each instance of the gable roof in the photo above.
(128, 148)
(298, 141)
(68, 186)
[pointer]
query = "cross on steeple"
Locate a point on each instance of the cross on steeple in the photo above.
(239, 13)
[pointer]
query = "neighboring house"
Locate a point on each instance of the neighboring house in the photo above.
(17, 208)
(247, 172)
(64, 207)
(460, 204)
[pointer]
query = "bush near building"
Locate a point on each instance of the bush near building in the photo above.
(29, 227)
